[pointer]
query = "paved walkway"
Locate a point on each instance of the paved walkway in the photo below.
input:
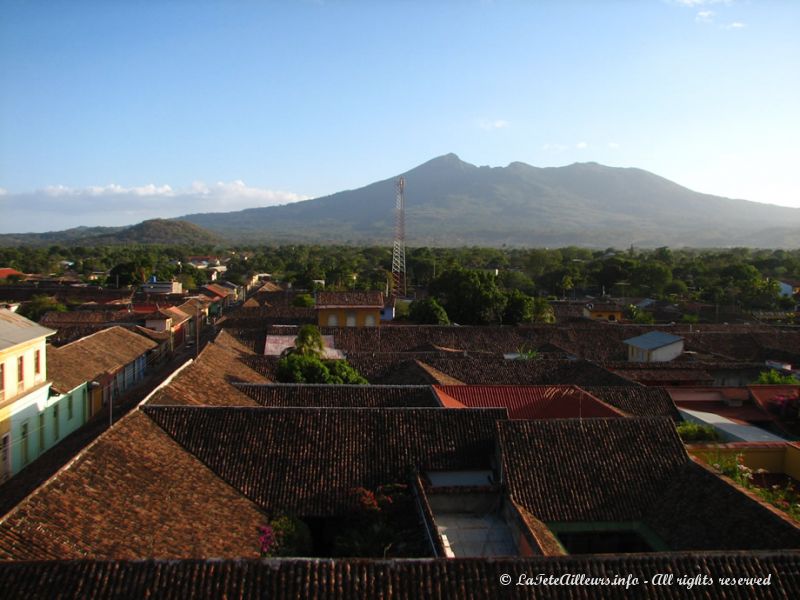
(13, 491)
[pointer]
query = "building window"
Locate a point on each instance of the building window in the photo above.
(24, 444)
(351, 319)
(55, 422)
(333, 320)
(37, 362)
(41, 433)
(70, 409)
(21, 370)
(369, 321)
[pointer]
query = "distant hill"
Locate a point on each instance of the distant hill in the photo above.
(451, 202)
(154, 231)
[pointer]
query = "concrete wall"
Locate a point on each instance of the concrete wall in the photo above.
(362, 317)
(772, 457)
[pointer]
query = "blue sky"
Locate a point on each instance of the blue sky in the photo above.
(115, 111)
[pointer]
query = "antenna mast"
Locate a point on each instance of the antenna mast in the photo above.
(399, 249)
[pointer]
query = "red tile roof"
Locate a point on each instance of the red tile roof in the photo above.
(349, 300)
(7, 272)
(529, 401)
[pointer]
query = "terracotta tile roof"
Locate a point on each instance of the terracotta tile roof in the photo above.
(64, 293)
(671, 376)
(589, 470)
(637, 400)
(435, 579)
(486, 371)
(699, 510)
(633, 470)
(407, 338)
(101, 353)
(85, 317)
(133, 493)
(6, 272)
(349, 299)
(306, 461)
(207, 381)
(343, 396)
(218, 290)
(530, 401)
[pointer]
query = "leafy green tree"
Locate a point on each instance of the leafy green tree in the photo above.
(428, 312)
(519, 308)
(542, 312)
(303, 301)
(772, 377)
(469, 297)
(38, 306)
(515, 280)
(309, 368)
(308, 342)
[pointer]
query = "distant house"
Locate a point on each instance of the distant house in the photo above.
(349, 309)
(6, 272)
(604, 311)
(789, 288)
(655, 346)
(109, 362)
(162, 287)
(26, 411)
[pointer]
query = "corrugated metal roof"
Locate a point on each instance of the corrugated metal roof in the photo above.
(16, 329)
(652, 340)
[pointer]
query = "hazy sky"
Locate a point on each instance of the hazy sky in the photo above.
(111, 112)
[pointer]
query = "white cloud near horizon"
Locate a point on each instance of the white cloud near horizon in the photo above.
(61, 207)
(696, 3)
(734, 25)
(581, 145)
(493, 124)
(704, 16)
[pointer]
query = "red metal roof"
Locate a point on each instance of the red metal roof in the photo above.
(7, 272)
(528, 401)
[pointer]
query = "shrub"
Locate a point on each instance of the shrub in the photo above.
(285, 536)
(695, 432)
(303, 301)
(428, 312)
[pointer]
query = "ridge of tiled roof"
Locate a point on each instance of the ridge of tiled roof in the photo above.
(102, 352)
(436, 376)
(134, 492)
(435, 579)
(341, 396)
(306, 461)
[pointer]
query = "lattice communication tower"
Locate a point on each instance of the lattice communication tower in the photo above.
(399, 248)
